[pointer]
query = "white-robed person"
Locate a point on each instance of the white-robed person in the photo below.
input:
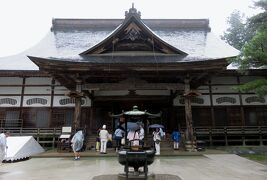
(3, 145)
(103, 135)
(157, 139)
(141, 135)
(77, 143)
(133, 137)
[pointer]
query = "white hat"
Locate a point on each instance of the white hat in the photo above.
(104, 126)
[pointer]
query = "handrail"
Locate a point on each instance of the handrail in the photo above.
(11, 123)
(239, 135)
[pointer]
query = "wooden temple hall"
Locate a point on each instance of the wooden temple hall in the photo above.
(85, 69)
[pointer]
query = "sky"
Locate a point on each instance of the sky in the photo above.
(25, 22)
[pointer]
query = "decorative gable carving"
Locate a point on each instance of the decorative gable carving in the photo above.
(133, 35)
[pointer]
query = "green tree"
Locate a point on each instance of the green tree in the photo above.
(235, 34)
(254, 51)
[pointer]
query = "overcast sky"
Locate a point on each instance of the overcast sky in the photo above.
(25, 22)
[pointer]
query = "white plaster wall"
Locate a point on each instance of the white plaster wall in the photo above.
(37, 90)
(10, 90)
(224, 80)
(223, 89)
(58, 98)
(57, 83)
(153, 92)
(206, 99)
(48, 98)
(38, 81)
(203, 89)
(18, 98)
(11, 81)
(214, 97)
(245, 79)
(111, 93)
(60, 90)
(87, 103)
(244, 96)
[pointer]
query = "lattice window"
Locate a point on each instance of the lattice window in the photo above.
(69, 101)
(8, 101)
(36, 101)
(254, 99)
(195, 100)
(226, 99)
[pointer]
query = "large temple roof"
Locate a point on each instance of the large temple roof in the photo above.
(70, 37)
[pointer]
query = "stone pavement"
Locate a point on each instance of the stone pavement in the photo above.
(111, 153)
(206, 167)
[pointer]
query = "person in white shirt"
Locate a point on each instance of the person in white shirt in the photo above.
(103, 135)
(133, 138)
(157, 139)
(141, 135)
(3, 145)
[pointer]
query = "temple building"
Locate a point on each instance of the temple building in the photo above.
(85, 69)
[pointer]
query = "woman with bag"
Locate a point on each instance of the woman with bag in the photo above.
(157, 139)
(118, 136)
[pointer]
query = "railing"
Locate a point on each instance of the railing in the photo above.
(213, 136)
(232, 135)
(47, 137)
(9, 123)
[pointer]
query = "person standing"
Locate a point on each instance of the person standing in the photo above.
(141, 135)
(118, 136)
(3, 145)
(133, 138)
(103, 135)
(157, 139)
(77, 143)
(176, 136)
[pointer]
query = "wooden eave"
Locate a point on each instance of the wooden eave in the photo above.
(23, 73)
(66, 72)
(72, 66)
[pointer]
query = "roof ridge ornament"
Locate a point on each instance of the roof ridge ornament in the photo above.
(132, 12)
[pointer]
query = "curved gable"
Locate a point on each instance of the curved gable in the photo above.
(134, 36)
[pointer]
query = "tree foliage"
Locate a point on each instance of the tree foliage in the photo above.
(235, 34)
(254, 49)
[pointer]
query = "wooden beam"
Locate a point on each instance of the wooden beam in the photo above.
(132, 86)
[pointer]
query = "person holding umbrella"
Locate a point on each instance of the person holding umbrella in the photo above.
(77, 143)
(157, 139)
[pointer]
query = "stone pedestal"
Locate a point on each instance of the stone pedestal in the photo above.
(133, 176)
(190, 146)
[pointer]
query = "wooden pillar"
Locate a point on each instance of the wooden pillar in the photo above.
(52, 101)
(190, 139)
(78, 101)
(242, 112)
(21, 102)
(188, 112)
(211, 105)
(77, 112)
